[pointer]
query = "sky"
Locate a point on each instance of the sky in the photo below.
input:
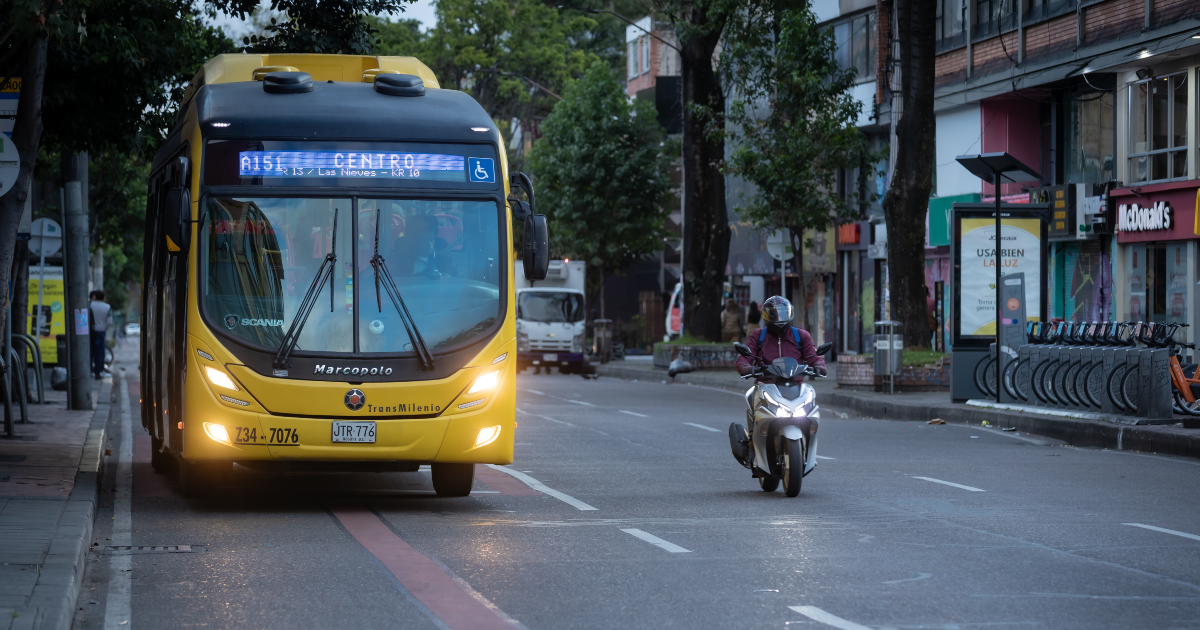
(421, 10)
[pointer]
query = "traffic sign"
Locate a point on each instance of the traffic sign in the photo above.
(10, 164)
(45, 231)
(779, 244)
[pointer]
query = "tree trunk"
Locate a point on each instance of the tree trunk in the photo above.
(27, 136)
(706, 230)
(21, 288)
(907, 200)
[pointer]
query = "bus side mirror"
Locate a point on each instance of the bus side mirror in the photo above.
(176, 220)
(536, 254)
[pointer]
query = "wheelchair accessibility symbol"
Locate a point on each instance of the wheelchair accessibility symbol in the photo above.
(482, 170)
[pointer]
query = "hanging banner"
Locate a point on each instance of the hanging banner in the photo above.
(53, 315)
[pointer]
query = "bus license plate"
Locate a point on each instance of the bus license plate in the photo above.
(550, 357)
(354, 432)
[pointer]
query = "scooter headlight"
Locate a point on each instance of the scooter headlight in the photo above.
(779, 410)
(807, 402)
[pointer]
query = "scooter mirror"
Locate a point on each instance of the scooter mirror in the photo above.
(743, 349)
(823, 348)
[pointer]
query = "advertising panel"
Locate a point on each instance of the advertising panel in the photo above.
(1020, 252)
(53, 314)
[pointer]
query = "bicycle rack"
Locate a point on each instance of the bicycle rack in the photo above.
(16, 366)
(38, 373)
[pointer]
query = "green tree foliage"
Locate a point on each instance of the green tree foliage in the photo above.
(117, 196)
(497, 49)
(114, 84)
(606, 39)
(793, 121)
(602, 175)
(402, 38)
(338, 26)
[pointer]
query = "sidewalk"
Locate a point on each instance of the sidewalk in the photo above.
(49, 486)
(923, 406)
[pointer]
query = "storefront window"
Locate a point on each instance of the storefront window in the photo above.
(1089, 141)
(1156, 281)
(1158, 129)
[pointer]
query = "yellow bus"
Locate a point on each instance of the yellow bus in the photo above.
(328, 274)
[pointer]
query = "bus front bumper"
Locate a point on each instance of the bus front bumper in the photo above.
(253, 436)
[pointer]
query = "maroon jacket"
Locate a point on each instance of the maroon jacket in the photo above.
(774, 347)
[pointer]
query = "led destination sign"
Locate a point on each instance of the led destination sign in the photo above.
(428, 166)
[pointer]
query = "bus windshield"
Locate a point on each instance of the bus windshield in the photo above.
(260, 256)
(554, 307)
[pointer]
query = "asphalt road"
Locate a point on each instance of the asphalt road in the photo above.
(903, 526)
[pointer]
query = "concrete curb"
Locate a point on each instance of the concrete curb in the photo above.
(1166, 440)
(61, 577)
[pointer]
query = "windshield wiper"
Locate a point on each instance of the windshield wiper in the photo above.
(389, 285)
(309, 301)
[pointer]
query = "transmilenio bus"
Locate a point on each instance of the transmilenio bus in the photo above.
(328, 274)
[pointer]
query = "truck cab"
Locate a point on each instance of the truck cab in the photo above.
(552, 317)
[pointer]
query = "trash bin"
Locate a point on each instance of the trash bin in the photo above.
(889, 352)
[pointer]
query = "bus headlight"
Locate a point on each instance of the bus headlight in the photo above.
(485, 382)
(522, 342)
(220, 379)
(487, 435)
(218, 433)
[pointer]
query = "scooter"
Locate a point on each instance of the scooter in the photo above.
(783, 416)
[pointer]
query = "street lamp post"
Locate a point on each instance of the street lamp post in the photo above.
(997, 169)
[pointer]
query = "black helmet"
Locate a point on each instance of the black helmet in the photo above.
(777, 314)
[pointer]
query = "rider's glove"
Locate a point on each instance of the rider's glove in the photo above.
(821, 371)
(744, 369)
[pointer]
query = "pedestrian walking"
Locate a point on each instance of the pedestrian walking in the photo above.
(101, 319)
(731, 322)
(753, 319)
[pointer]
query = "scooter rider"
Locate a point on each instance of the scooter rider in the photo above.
(778, 338)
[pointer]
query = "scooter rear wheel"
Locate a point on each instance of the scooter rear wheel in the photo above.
(793, 467)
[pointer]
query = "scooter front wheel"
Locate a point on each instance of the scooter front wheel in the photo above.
(768, 483)
(793, 467)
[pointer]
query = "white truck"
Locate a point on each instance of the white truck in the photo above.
(552, 317)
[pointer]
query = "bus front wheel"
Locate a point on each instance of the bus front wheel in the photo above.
(452, 480)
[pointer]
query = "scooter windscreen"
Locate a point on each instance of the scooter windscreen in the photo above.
(785, 369)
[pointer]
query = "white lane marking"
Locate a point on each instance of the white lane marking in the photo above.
(117, 606)
(920, 576)
(634, 413)
(534, 391)
(656, 541)
(522, 411)
(543, 488)
(553, 420)
(948, 483)
(823, 457)
(1163, 530)
(701, 426)
(579, 402)
(818, 615)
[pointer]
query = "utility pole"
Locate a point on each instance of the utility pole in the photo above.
(78, 331)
